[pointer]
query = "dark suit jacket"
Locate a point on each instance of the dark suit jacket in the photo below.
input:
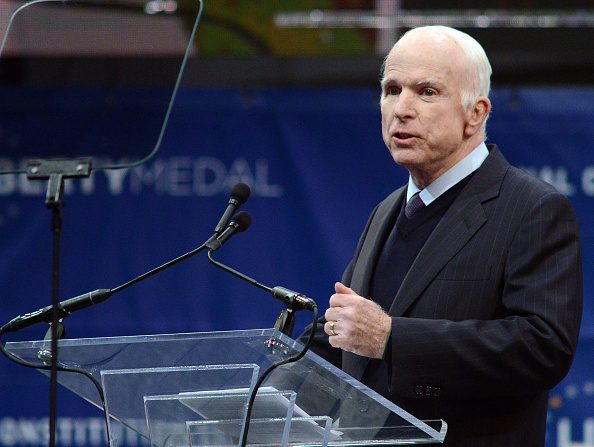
(487, 319)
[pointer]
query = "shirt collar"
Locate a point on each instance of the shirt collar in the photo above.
(452, 176)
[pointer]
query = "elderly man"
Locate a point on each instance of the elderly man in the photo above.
(463, 299)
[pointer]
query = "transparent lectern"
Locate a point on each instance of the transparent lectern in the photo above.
(193, 389)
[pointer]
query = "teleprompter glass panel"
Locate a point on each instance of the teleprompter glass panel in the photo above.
(76, 75)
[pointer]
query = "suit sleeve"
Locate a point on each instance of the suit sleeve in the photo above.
(526, 349)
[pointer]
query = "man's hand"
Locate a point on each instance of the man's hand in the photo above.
(356, 324)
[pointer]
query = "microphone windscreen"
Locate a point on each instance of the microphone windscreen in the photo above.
(241, 192)
(243, 220)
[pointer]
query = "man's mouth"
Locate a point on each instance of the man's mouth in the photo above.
(403, 135)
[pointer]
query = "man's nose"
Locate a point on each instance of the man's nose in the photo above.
(404, 107)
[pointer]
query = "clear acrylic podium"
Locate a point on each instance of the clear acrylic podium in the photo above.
(192, 390)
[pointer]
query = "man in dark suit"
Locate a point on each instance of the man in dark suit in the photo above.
(463, 299)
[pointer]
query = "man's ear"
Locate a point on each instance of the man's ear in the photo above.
(477, 115)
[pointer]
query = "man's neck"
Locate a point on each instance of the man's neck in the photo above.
(450, 177)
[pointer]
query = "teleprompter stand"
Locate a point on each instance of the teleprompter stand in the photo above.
(192, 390)
(55, 172)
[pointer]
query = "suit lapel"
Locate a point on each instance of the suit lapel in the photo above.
(379, 228)
(461, 221)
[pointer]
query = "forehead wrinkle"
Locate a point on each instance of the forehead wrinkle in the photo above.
(401, 76)
(402, 63)
(428, 81)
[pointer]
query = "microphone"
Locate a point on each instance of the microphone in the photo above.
(239, 195)
(293, 300)
(239, 223)
(65, 308)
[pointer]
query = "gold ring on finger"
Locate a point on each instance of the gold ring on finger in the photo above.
(332, 331)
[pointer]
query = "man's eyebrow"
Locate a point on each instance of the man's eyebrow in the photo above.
(428, 82)
(386, 81)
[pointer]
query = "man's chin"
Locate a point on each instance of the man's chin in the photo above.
(405, 156)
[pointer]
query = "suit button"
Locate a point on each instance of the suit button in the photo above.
(419, 390)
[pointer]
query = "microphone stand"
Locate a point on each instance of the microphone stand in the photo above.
(285, 321)
(55, 172)
(293, 300)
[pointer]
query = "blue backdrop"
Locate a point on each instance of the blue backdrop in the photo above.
(317, 166)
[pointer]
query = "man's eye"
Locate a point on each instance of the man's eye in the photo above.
(429, 92)
(392, 91)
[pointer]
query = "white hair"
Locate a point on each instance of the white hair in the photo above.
(478, 67)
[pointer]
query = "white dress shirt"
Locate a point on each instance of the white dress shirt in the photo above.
(452, 176)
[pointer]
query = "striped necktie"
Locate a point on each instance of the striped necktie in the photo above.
(413, 205)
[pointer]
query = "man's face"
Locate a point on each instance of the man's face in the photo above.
(423, 122)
